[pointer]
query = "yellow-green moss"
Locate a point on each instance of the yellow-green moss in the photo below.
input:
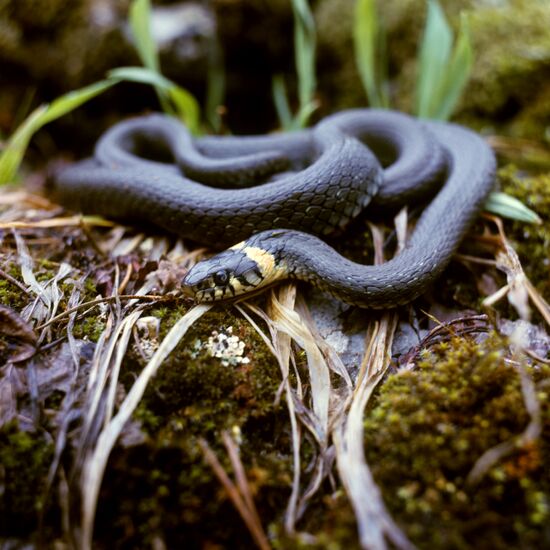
(532, 242)
(90, 327)
(197, 393)
(12, 296)
(428, 427)
(164, 486)
(24, 461)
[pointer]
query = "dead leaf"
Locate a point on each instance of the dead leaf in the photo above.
(19, 342)
(168, 276)
(12, 382)
(12, 324)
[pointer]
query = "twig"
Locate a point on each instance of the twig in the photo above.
(14, 281)
(240, 502)
(91, 303)
(490, 457)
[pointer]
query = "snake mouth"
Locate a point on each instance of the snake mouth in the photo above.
(242, 270)
(204, 296)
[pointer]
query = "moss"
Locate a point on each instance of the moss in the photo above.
(534, 119)
(512, 47)
(12, 296)
(332, 520)
(532, 242)
(92, 324)
(24, 462)
(427, 428)
(164, 488)
(90, 327)
(195, 392)
(169, 493)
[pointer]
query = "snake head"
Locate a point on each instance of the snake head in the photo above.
(241, 269)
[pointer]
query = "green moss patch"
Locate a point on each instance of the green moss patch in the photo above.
(428, 427)
(532, 242)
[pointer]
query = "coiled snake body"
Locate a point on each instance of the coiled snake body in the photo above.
(282, 189)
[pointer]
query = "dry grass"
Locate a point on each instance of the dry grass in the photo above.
(322, 400)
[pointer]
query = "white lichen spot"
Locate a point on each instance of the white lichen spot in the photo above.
(148, 327)
(237, 435)
(227, 347)
(146, 341)
(147, 348)
(196, 349)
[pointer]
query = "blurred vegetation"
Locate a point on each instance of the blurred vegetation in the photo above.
(174, 99)
(304, 56)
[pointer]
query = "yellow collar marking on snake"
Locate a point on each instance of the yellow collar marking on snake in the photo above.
(264, 259)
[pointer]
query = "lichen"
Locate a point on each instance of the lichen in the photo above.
(205, 390)
(427, 428)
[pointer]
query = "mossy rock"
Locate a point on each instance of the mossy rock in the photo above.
(427, 428)
(532, 242)
(163, 488)
(24, 462)
(202, 390)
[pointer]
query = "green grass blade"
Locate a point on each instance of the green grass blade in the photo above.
(434, 55)
(304, 114)
(186, 106)
(280, 98)
(509, 207)
(12, 156)
(457, 73)
(369, 41)
(70, 101)
(140, 23)
(304, 52)
(141, 75)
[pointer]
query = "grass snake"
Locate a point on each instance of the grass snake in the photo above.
(279, 191)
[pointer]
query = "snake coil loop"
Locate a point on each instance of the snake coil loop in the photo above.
(279, 190)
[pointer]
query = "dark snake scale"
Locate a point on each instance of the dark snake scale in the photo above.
(279, 190)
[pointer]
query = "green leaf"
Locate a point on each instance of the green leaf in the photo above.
(456, 75)
(13, 154)
(434, 56)
(509, 207)
(442, 73)
(304, 52)
(140, 23)
(70, 101)
(185, 105)
(141, 75)
(304, 114)
(370, 52)
(280, 99)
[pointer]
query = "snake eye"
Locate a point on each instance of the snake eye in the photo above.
(221, 277)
